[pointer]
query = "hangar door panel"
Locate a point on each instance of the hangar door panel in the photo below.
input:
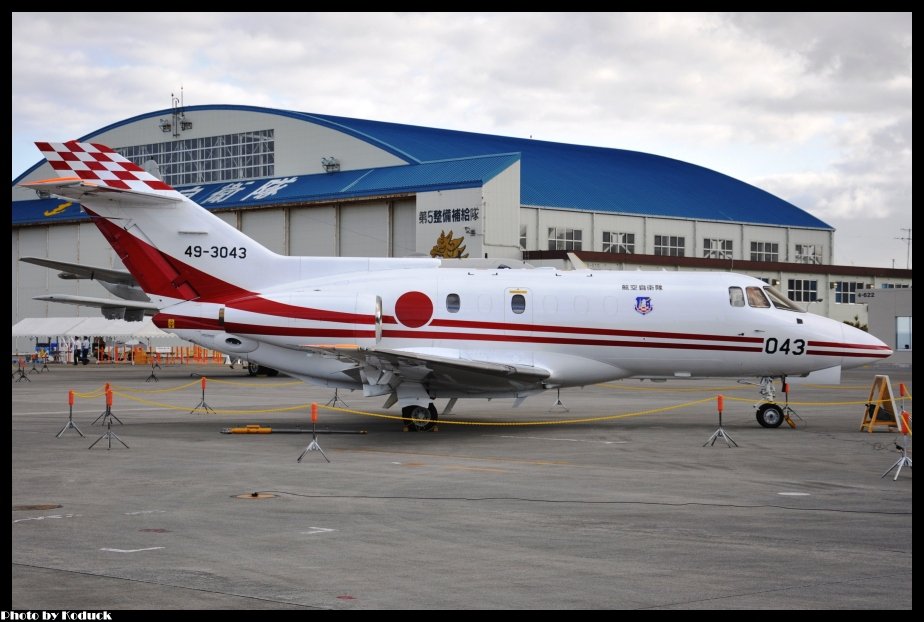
(404, 229)
(364, 230)
(313, 231)
(266, 226)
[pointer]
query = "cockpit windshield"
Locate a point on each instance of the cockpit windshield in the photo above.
(782, 302)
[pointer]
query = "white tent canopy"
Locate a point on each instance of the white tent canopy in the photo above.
(90, 326)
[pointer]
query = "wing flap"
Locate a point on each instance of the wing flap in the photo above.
(438, 371)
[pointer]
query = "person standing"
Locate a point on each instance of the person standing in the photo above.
(75, 348)
(85, 349)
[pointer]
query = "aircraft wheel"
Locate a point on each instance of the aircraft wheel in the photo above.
(770, 415)
(419, 418)
(253, 369)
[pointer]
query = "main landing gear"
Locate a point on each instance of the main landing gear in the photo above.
(419, 418)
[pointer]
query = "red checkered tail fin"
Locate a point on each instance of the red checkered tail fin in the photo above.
(85, 168)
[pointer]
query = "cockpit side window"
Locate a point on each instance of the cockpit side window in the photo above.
(736, 296)
(757, 299)
(782, 302)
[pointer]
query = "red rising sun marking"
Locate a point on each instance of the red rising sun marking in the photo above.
(414, 309)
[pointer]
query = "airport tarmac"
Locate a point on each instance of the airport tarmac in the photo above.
(622, 513)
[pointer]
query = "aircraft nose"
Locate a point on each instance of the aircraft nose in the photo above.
(861, 348)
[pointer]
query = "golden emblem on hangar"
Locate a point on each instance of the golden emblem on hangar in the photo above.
(448, 247)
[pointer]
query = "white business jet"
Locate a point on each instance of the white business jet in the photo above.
(404, 329)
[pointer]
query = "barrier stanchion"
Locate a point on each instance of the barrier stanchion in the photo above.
(905, 460)
(205, 407)
(313, 445)
(70, 417)
(107, 414)
(21, 370)
(720, 433)
(109, 435)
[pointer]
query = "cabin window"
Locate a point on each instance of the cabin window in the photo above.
(453, 303)
(757, 298)
(518, 303)
(736, 296)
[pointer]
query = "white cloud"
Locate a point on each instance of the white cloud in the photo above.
(813, 107)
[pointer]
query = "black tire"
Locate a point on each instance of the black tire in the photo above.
(770, 415)
(253, 369)
(419, 418)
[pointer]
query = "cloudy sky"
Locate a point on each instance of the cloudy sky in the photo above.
(815, 108)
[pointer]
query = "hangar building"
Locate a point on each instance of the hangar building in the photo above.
(310, 184)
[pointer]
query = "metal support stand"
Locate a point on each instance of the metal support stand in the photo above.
(34, 369)
(106, 416)
(20, 374)
(205, 407)
(904, 461)
(152, 375)
(720, 434)
(44, 366)
(109, 435)
(313, 445)
(70, 425)
(558, 403)
(335, 401)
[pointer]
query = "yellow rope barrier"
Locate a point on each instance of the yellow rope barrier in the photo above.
(219, 411)
(116, 387)
(256, 384)
(851, 403)
(529, 423)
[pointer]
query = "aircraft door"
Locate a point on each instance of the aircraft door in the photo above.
(518, 311)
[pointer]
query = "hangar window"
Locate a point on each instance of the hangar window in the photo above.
(757, 298)
(803, 290)
(618, 242)
(808, 253)
(670, 245)
(523, 235)
(564, 239)
(245, 155)
(736, 296)
(453, 303)
(845, 292)
(714, 248)
(518, 303)
(765, 251)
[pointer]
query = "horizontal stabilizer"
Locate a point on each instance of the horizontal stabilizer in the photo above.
(79, 271)
(111, 308)
(76, 189)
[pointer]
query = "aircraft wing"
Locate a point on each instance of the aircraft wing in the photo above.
(112, 309)
(389, 367)
(79, 271)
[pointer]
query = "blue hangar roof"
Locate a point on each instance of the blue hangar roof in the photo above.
(569, 176)
(427, 176)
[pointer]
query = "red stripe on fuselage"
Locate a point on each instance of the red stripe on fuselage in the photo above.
(256, 304)
(580, 330)
(865, 355)
(835, 344)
